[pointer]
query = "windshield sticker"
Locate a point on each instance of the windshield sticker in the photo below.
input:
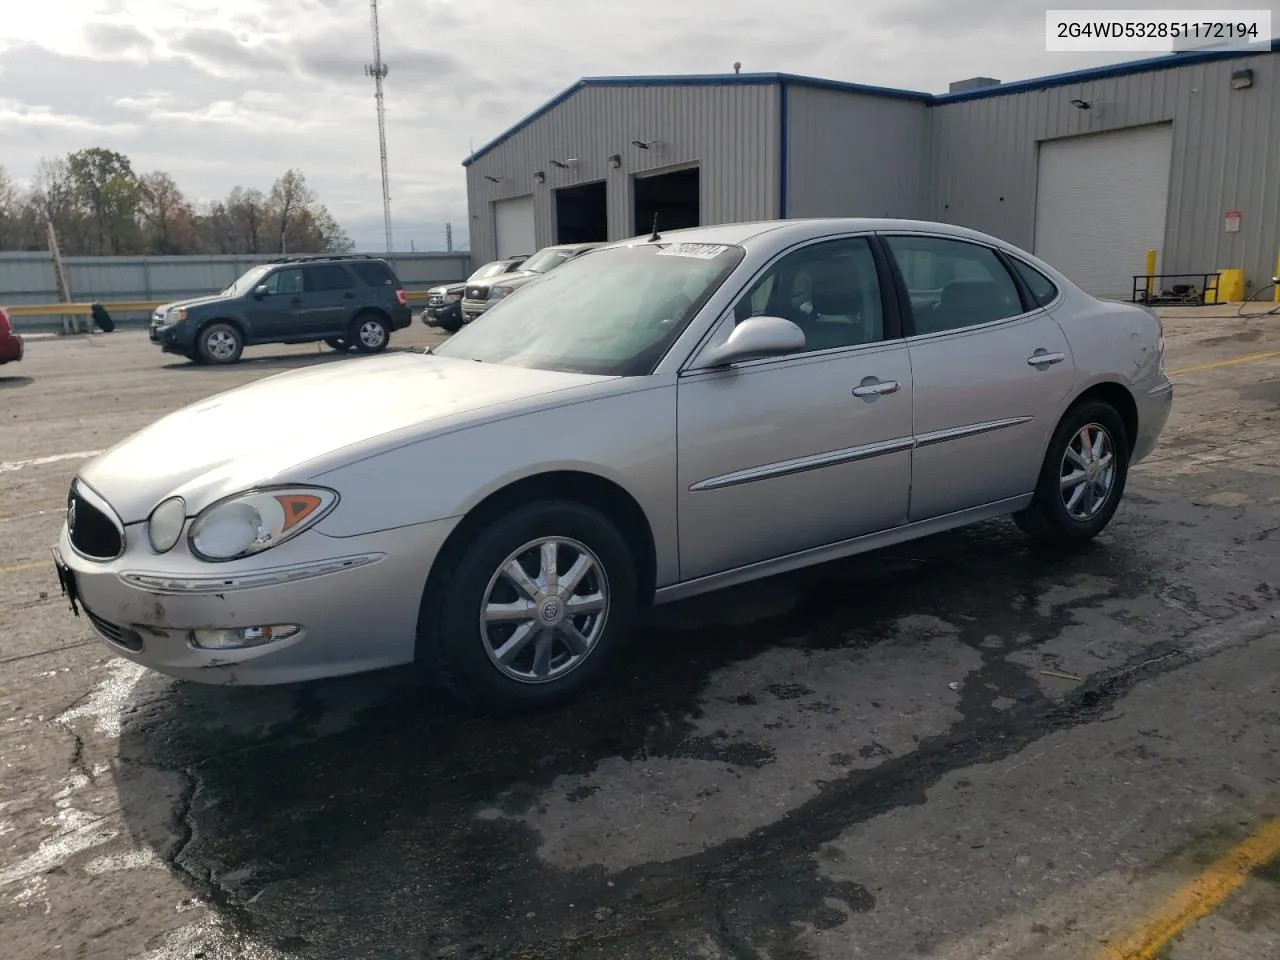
(700, 251)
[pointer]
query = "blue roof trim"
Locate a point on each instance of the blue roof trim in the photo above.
(1163, 62)
(1167, 61)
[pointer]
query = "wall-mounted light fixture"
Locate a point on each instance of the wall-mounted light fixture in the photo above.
(1081, 104)
(493, 179)
(564, 163)
(539, 177)
(643, 144)
(1241, 79)
(615, 160)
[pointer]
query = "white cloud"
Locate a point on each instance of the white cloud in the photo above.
(226, 92)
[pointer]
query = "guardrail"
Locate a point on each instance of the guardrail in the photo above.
(122, 306)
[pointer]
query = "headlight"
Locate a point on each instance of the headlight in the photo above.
(249, 523)
(165, 524)
(453, 297)
(497, 293)
(176, 316)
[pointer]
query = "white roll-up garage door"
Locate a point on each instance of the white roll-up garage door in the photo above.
(1101, 202)
(513, 225)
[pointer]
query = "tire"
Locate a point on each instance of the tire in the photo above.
(452, 326)
(220, 343)
(338, 343)
(369, 333)
(458, 649)
(1049, 518)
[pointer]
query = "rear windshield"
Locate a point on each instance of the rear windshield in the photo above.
(374, 272)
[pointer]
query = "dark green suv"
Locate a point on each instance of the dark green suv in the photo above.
(346, 301)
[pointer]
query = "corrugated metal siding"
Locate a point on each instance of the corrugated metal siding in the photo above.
(854, 155)
(28, 277)
(730, 131)
(1226, 156)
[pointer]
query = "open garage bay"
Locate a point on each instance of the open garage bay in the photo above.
(960, 748)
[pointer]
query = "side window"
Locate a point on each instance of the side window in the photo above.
(953, 283)
(1043, 290)
(830, 290)
(285, 281)
(373, 273)
(327, 276)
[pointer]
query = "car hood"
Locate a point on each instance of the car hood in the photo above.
(294, 425)
(449, 288)
(193, 302)
(517, 276)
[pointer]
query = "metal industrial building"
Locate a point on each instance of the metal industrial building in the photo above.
(1091, 169)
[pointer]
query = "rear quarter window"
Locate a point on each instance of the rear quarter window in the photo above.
(374, 273)
(1043, 290)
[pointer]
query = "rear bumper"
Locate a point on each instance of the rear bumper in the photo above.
(401, 317)
(1154, 407)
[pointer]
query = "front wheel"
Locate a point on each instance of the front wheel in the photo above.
(1082, 479)
(531, 612)
(369, 333)
(220, 343)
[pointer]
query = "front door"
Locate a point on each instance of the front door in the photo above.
(275, 315)
(991, 368)
(782, 455)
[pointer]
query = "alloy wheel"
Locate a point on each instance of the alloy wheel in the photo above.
(1088, 472)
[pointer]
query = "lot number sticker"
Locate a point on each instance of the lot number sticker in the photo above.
(700, 251)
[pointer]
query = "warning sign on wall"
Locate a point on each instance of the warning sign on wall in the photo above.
(1233, 221)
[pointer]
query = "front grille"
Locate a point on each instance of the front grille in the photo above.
(435, 300)
(92, 532)
(120, 636)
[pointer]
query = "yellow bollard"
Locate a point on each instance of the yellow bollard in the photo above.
(1151, 269)
(1276, 295)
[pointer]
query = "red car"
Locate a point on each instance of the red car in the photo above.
(10, 342)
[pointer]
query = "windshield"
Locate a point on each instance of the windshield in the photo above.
(614, 313)
(248, 280)
(489, 270)
(545, 260)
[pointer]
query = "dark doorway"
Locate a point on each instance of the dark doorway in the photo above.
(672, 196)
(582, 215)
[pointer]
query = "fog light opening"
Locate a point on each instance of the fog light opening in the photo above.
(237, 638)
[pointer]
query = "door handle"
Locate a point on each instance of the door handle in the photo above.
(877, 388)
(1041, 358)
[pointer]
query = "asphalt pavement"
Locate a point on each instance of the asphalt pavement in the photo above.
(959, 748)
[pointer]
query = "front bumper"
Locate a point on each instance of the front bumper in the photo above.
(449, 314)
(473, 308)
(12, 348)
(355, 598)
(173, 338)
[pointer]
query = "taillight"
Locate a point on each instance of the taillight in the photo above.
(404, 301)
(4, 322)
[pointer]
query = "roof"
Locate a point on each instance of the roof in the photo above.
(1166, 61)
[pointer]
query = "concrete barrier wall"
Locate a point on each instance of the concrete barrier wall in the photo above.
(28, 278)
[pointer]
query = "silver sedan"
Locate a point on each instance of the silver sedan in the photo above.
(671, 415)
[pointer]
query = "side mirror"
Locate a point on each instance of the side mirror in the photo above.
(754, 339)
(260, 291)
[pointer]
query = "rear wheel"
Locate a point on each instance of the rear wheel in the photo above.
(369, 333)
(532, 611)
(1083, 476)
(220, 343)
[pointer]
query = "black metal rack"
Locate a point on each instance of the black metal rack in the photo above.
(1148, 288)
(308, 257)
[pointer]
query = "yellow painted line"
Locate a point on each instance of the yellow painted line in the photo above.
(1248, 358)
(19, 567)
(1198, 898)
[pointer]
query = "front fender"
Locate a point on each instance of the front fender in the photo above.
(629, 439)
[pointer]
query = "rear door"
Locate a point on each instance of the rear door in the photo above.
(330, 300)
(991, 370)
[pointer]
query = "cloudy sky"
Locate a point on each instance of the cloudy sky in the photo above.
(222, 93)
